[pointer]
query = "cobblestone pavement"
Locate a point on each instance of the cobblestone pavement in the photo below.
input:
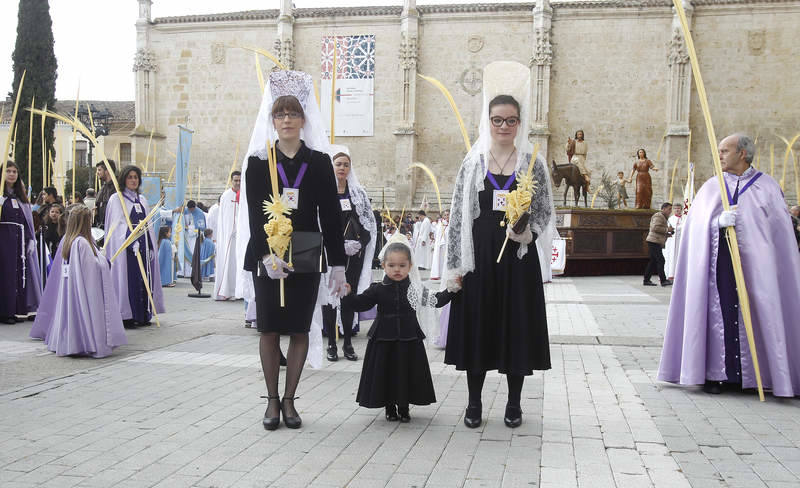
(181, 406)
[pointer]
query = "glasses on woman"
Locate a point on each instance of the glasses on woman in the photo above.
(497, 121)
(283, 115)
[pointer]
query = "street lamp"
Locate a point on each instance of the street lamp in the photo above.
(102, 123)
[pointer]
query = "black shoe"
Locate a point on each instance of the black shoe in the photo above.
(31, 318)
(666, 283)
(271, 423)
(349, 353)
(648, 283)
(248, 324)
(404, 416)
(129, 324)
(8, 320)
(472, 417)
(391, 413)
(513, 416)
(333, 353)
(292, 422)
(283, 359)
(146, 324)
(713, 387)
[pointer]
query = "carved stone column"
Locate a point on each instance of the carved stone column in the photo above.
(405, 133)
(678, 103)
(145, 67)
(284, 39)
(540, 64)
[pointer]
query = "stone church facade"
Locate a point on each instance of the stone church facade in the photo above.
(617, 69)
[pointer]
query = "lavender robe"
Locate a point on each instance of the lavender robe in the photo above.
(80, 311)
(119, 268)
(18, 254)
(694, 341)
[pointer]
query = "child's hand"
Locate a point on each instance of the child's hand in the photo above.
(347, 289)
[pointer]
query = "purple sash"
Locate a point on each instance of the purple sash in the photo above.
(297, 180)
(494, 181)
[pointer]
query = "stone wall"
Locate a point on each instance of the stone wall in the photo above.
(609, 76)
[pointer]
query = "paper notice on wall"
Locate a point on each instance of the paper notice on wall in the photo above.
(355, 81)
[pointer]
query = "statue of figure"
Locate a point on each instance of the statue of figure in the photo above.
(644, 185)
(576, 152)
(622, 192)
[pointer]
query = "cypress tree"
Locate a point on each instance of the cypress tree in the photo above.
(34, 53)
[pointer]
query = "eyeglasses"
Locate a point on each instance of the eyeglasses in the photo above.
(510, 121)
(291, 115)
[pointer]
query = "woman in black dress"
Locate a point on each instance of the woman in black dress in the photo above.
(498, 321)
(307, 175)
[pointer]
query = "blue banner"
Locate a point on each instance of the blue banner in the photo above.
(179, 195)
(151, 189)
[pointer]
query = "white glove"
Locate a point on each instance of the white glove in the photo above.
(726, 219)
(454, 284)
(525, 238)
(2, 201)
(337, 282)
(351, 248)
(136, 247)
(32, 247)
(280, 270)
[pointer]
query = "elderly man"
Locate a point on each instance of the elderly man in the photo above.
(659, 231)
(705, 342)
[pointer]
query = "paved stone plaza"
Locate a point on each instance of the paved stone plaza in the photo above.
(181, 406)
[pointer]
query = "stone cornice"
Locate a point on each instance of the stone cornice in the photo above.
(445, 9)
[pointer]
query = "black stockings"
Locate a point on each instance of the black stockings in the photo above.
(475, 386)
(329, 323)
(269, 349)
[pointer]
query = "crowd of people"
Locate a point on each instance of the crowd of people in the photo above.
(486, 274)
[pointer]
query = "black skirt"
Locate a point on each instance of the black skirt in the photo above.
(498, 321)
(395, 373)
(300, 296)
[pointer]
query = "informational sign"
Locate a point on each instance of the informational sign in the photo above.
(355, 81)
(559, 258)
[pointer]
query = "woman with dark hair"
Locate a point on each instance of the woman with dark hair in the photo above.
(134, 304)
(18, 264)
(307, 185)
(644, 185)
(498, 320)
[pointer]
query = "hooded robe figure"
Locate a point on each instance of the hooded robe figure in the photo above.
(18, 261)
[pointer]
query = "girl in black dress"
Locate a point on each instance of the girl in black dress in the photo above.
(308, 186)
(498, 321)
(396, 372)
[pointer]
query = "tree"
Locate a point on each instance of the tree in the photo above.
(34, 54)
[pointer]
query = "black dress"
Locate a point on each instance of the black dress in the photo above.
(498, 321)
(318, 200)
(395, 369)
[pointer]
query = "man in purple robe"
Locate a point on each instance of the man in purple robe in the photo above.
(705, 340)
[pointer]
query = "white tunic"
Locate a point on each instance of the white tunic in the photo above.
(226, 221)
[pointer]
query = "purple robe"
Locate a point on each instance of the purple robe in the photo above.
(124, 270)
(80, 310)
(17, 254)
(695, 346)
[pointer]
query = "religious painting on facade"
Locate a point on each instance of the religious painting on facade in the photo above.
(355, 80)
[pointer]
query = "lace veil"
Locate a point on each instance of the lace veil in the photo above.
(499, 78)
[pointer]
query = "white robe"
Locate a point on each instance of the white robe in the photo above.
(422, 244)
(213, 220)
(672, 245)
(439, 246)
(226, 221)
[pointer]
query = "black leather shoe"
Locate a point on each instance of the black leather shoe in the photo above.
(9, 320)
(713, 387)
(404, 416)
(391, 413)
(283, 359)
(129, 324)
(472, 417)
(333, 353)
(513, 416)
(271, 423)
(666, 283)
(648, 283)
(349, 353)
(291, 422)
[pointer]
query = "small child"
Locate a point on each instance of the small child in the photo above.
(165, 257)
(79, 313)
(622, 192)
(395, 372)
(207, 253)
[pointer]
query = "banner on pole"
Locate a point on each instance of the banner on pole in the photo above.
(355, 81)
